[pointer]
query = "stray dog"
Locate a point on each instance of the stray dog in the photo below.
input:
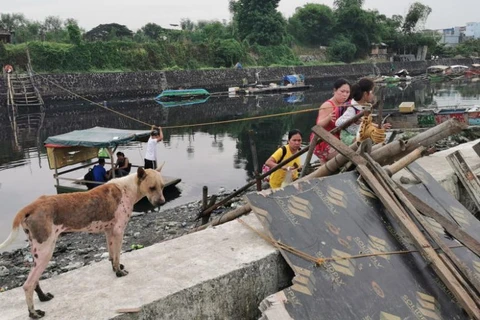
(106, 208)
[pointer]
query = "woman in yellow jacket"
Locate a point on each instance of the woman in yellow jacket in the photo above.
(292, 147)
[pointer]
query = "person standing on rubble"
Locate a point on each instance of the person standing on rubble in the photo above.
(328, 113)
(362, 94)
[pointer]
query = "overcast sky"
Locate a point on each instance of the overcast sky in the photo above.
(135, 14)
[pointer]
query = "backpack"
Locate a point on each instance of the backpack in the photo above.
(266, 168)
(89, 177)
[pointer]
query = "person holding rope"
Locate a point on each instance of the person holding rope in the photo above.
(284, 152)
(151, 154)
(328, 113)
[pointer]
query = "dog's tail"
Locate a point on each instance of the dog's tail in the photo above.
(13, 234)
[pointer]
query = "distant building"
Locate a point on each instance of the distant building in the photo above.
(472, 30)
(379, 50)
(453, 36)
(5, 36)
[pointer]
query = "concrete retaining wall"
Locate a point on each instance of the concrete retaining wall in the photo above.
(105, 85)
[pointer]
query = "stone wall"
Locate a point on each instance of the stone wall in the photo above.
(115, 84)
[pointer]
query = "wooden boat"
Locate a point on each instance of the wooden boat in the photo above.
(474, 116)
(458, 70)
(474, 71)
(294, 82)
(175, 95)
(184, 102)
(438, 72)
(82, 147)
(429, 117)
(453, 113)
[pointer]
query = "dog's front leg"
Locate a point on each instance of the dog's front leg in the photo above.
(116, 237)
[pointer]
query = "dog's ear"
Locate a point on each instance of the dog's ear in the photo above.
(160, 168)
(141, 174)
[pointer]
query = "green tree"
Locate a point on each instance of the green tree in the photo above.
(227, 52)
(358, 26)
(3, 53)
(470, 47)
(342, 49)
(12, 21)
(258, 21)
(342, 4)
(417, 15)
(187, 25)
(312, 24)
(153, 31)
(111, 31)
(74, 34)
(28, 32)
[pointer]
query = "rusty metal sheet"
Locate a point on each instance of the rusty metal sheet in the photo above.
(334, 217)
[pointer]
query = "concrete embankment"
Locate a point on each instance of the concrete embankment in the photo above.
(218, 273)
(117, 84)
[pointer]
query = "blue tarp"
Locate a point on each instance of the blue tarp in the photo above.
(294, 78)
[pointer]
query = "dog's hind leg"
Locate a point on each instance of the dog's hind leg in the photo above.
(115, 238)
(42, 254)
(41, 295)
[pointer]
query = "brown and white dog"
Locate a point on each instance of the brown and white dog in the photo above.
(106, 208)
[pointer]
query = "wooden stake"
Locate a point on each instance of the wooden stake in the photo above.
(256, 171)
(204, 204)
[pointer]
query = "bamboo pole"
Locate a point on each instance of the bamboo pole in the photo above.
(405, 161)
(395, 150)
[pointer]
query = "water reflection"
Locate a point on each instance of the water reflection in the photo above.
(214, 155)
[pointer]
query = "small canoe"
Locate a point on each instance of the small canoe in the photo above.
(169, 95)
(183, 102)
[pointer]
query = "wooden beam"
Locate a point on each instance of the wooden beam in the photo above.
(406, 223)
(454, 229)
(466, 176)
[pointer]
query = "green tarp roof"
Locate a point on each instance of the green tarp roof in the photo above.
(97, 137)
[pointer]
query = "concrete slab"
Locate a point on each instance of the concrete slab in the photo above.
(218, 273)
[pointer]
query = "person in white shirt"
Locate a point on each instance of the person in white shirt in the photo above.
(151, 154)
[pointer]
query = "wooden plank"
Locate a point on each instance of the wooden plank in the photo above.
(407, 225)
(454, 229)
(466, 176)
(433, 235)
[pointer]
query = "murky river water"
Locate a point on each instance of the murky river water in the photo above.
(217, 156)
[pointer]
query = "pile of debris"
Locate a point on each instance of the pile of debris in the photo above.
(364, 246)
